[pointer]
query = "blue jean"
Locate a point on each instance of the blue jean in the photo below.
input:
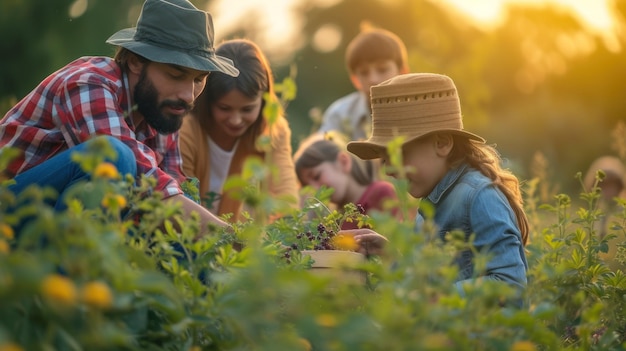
(60, 172)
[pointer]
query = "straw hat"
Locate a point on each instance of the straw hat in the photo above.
(411, 106)
(174, 32)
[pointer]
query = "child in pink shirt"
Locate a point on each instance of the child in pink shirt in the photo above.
(324, 162)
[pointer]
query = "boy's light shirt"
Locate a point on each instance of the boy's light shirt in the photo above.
(350, 116)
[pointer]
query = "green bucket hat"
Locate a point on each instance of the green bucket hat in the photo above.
(174, 32)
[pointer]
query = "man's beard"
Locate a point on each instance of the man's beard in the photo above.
(146, 98)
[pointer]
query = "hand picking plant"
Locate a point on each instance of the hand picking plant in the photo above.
(322, 231)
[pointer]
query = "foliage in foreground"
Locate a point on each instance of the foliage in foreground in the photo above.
(93, 277)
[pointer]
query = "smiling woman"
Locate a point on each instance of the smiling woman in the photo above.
(221, 134)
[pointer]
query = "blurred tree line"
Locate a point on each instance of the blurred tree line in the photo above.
(538, 86)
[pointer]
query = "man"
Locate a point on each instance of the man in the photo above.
(136, 100)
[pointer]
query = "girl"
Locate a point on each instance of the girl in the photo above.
(324, 162)
(224, 126)
(453, 170)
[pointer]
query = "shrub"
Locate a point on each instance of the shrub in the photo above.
(113, 272)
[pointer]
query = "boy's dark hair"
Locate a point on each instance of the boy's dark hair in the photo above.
(373, 44)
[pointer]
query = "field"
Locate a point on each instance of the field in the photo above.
(89, 279)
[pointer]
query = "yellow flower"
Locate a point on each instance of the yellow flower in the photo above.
(97, 294)
(326, 320)
(106, 170)
(4, 247)
(113, 201)
(58, 288)
(436, 341)
(523, 346)
(344, 242)
(7, 231)
(195, 348)
(10, 347)
(305, 344)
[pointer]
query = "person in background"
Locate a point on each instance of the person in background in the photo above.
(324, 161)
(611, 187)
(451, 169)
(372, 57)
(136, 100)
(226, 124)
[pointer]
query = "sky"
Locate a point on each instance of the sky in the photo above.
(279, 25)
(596, 14)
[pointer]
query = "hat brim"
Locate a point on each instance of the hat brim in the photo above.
(124, 38)
(367, 150)
(377, 147)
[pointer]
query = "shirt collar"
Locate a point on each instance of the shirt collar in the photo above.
(126, 101)
(446, 183)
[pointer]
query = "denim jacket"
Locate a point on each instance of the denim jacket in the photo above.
(468, 201)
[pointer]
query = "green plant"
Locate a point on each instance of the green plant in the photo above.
(118, 269)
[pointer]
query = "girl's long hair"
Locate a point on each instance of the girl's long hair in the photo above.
(486, 159)
(255, 76)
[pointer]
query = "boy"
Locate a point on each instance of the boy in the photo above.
(372, 57)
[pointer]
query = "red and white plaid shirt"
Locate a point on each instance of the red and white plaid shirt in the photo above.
(87, 97)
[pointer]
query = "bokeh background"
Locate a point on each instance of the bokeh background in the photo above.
(543, 80)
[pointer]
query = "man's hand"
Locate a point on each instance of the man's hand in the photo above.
(206, 217)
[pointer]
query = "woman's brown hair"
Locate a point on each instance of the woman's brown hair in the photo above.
(255, 77)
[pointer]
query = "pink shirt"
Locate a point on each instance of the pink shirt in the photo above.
(373, 198)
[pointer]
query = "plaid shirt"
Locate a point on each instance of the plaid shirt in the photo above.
(85, 98)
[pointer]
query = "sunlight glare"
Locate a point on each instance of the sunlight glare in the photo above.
(327, 38)
(276, 28)
(485, 13)
(595, 14)
(78, 8)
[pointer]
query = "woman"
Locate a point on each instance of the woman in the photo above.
(224, 126)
